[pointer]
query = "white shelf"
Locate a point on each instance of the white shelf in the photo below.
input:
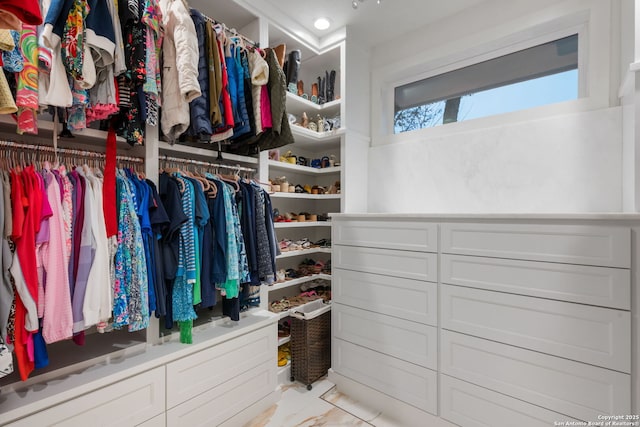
(284, 314)
(302, 252)
(316, 141)
(212, 154)
(281, 195)
(273, 164)
(82, 139)
(298, 281)
(284, 340)
(296, 105)
(302, 224)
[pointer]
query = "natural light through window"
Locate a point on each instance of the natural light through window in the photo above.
(541, 75)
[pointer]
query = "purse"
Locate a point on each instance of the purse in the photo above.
(6, 359)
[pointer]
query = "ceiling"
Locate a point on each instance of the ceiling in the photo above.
(370, 23)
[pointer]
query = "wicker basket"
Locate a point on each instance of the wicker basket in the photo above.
(311, 343)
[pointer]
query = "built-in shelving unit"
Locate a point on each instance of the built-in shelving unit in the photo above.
(311, 145)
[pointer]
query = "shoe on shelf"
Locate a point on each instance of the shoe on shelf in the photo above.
(323, 243)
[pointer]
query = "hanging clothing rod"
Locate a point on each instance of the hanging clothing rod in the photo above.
(206, 164)
(78, 153)
(232, 32)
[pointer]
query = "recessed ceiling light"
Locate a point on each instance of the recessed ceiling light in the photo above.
(322, 23)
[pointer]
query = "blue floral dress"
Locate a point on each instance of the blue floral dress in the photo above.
(131, 286)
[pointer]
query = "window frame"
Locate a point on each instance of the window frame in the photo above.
(453, 86)
(575, 23)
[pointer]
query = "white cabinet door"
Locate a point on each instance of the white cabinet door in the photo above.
(226, 400)
(468, 405)
(601, 286)
(196, 374)
(404, 298)
(392, 234)
(410, 341)
(410, 265)
(572, 388)
(126, 403)
(571, 244)
(401, 380)
(594, 335)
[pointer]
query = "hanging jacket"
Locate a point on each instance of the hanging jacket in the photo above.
(179, 71)
(280, 134)
(200, 126)
(259, 70)
(242, 126)
(215, 76)
(55, 90)
(100, 33)
(225, 129)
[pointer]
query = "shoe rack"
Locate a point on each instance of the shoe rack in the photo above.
(309, 144)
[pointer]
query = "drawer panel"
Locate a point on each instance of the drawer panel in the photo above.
(401, 380)
(200, 372)
(572, 388)
(404, 298)
(607, 287)
(228, 399)
(410, 341)
(594, 335)
(159, 421)
(572, 244)
(468, 405)
(395, 234)
(129, 402)
(410, 265)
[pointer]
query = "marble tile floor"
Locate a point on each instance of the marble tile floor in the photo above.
(322, 406)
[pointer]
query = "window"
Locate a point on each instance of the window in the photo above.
(540, 75)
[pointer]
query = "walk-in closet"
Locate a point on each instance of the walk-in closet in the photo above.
(389, 213)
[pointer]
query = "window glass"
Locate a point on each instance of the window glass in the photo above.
(543, 74)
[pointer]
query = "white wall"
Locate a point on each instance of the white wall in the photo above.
(561, 158)
(626, 93)
(355, 150)
(564, 164)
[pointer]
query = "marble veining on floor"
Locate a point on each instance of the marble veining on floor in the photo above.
(322, 406)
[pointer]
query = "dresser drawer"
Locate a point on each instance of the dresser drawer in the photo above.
(401, 380)
(594, 335)
(159, 421)
(571, 244)
(404, 298)
(409, 341)
(396, 234)
(410, 265)
(196, 374)
(227, 399)
(602, 286)
(131, 401)
(572, 388)
(468, 405)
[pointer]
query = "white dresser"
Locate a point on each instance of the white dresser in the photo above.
(487, 321)
(227, 377)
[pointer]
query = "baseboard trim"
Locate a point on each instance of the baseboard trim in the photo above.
(402, 413)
